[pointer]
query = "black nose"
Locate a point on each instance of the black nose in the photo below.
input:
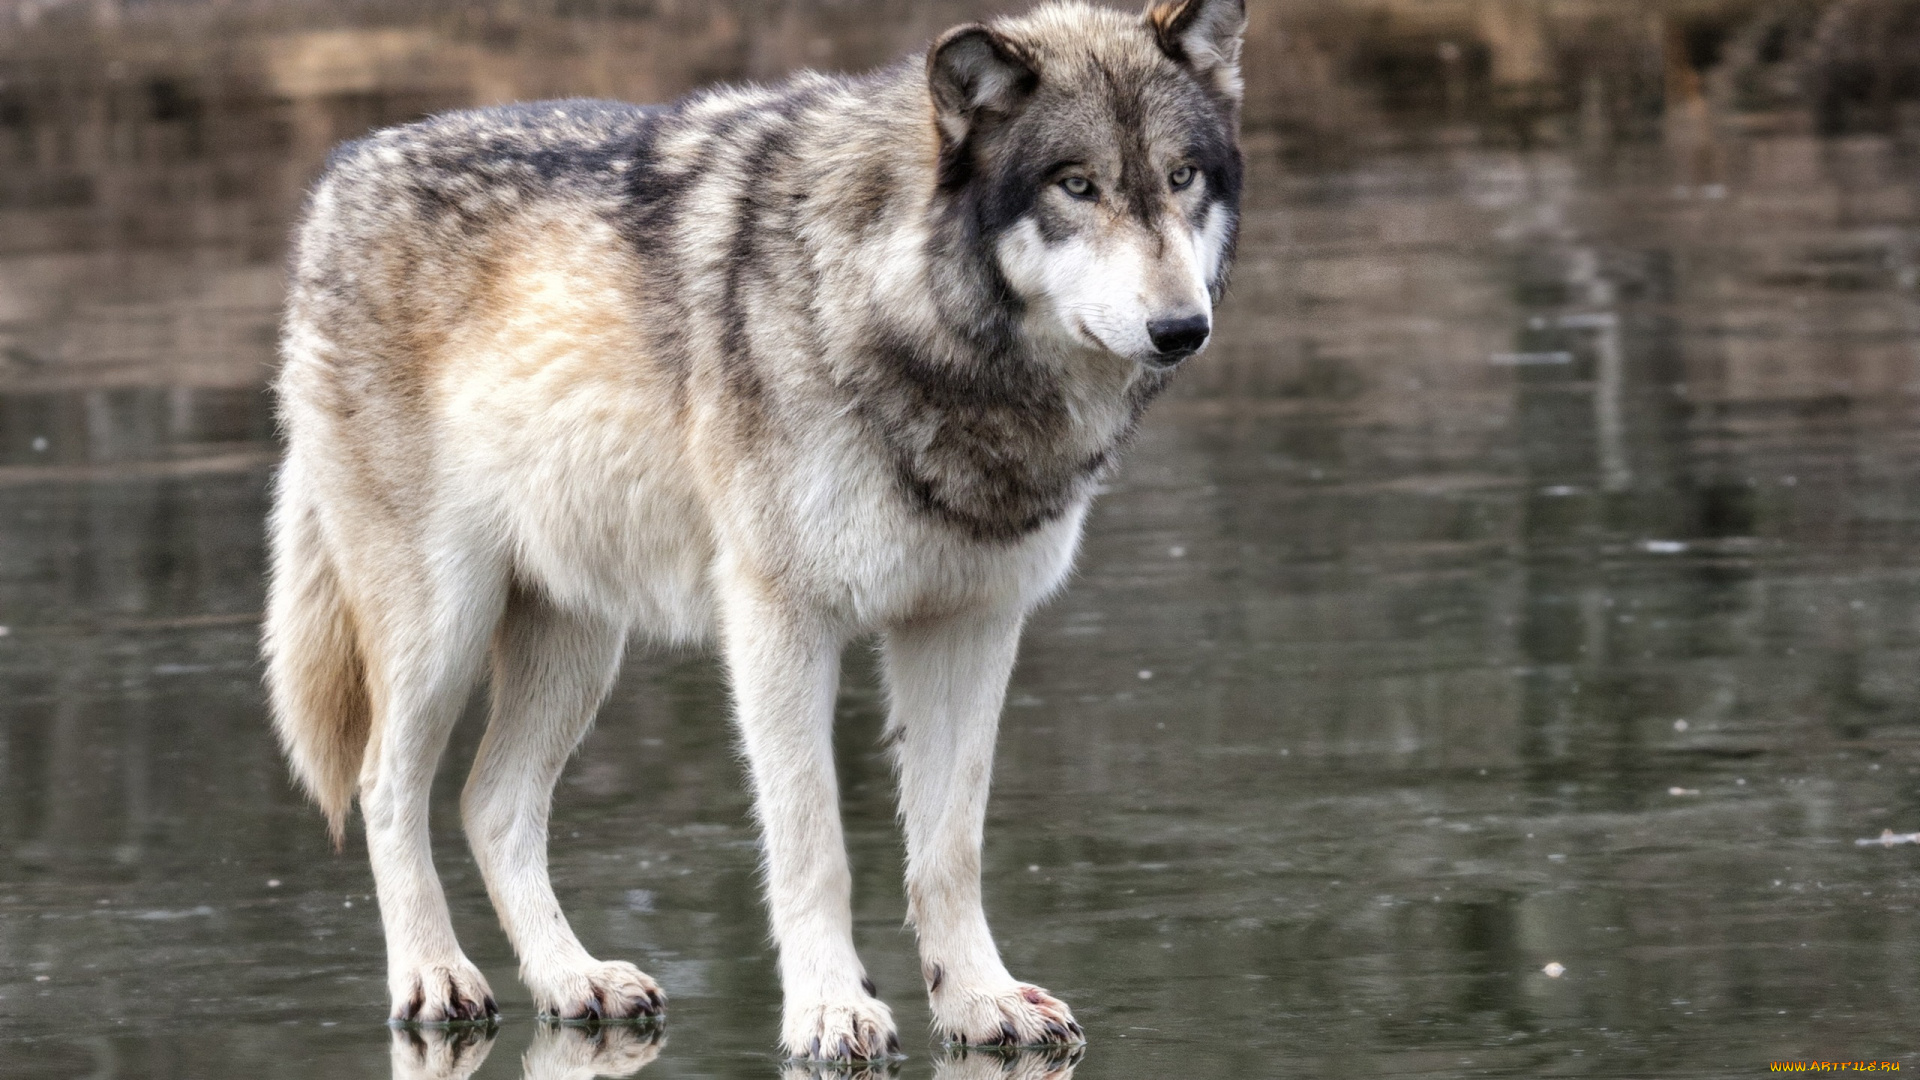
(1179, 338)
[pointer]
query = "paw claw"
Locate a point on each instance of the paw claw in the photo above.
(1014, 1016)
(452, 993)
(604, 992)
(856, 1030)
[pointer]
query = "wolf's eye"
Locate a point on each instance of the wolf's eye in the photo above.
(1181, 177)
(1078, 186)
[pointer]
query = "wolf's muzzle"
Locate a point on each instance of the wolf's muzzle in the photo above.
(1176, 339)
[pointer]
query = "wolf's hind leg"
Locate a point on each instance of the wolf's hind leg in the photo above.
(551, 669)
(426, 642)
(785, 669)
(947, 680)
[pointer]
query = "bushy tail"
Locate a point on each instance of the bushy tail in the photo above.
(316, 674)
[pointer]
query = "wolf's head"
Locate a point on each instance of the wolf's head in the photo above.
(1089, 160)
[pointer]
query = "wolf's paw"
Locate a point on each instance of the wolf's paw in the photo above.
(860, 1029)
(1011, 1015)
(1044, 1063)
(445, 993)
(583, 1050)
(612, 990)
(440, 1053)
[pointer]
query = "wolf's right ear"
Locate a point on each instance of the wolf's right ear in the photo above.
(975, 75)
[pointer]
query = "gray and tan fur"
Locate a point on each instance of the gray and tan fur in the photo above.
(771, 369)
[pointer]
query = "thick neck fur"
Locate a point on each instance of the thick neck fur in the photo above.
(991, 427)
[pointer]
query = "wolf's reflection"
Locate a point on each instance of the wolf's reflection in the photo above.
(585, 1051)
(1051, 1063)
(559, 1051)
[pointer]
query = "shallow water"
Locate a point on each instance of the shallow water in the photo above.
(1527, 577)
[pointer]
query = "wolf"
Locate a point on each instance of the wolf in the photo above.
(770, 369)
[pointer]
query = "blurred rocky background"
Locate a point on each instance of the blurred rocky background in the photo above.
(133, 129)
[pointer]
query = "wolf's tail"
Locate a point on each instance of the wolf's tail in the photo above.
(316, 672)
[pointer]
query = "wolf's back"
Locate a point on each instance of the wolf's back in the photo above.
(400, 228)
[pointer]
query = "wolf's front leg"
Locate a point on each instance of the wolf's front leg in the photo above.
(785, 670)
(947, 680)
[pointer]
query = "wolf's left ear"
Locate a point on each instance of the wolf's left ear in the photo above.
(976, 75)
(1205, 36)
